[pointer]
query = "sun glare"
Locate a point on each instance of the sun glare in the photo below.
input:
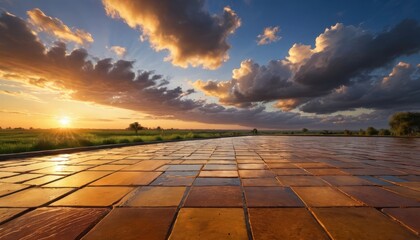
(64, 121)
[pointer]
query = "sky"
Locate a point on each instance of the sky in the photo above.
(208, 64)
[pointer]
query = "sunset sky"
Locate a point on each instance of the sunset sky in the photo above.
(208, 64)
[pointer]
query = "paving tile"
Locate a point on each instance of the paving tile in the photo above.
(133, 223)
(282, 165)
(228, 174)
(184, 167)
(127, 179)
(175, 178)
(94, 197)
(284, 223)
(403, 191)
(263, 182)
(51, 223)
(220, 167)
(214, 196)
(256, 173)
(78, 179)
(61, 169)
(7, 174)
(271, 197)
(146, 165)
(252, 166)
(217, 181)
(20, 178)
(210, 223)
(412, 185)
(301, 181)
(7, 188)
(109, 167)
(409, 217)
(290, 172)
(360, 223)
(8, 213)
(307, 165)
(346, 180)
(324, 197)
(379, 197)
(43, 180)
(155, 197)
(33, 197)
(325, 171)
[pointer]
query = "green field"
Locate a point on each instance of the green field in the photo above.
(18, 140)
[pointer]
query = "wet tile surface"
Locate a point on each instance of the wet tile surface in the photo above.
(214, 196)
(360, 223)
(233, 188)
(133, 223)
(284, 223)
(156, 197)
(51, 223)
(210, 223)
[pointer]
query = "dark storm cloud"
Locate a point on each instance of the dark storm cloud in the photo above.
(401, 88)
(343, 56)
(191, 34)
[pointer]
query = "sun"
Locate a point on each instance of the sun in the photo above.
(64, 121)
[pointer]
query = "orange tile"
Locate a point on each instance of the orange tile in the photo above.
(271, 197)
(324, 197)
(360, 223)
(155, 197)
(214, 196)
(284, 223)
(210, 223)
(133, 223)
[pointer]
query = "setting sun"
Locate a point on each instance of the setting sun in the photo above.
(64, 121)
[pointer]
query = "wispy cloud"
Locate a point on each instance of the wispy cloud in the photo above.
(269, 35)
(118, 50)
(57, 28)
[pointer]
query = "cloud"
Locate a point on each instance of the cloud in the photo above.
(191, 34)
(328, 77)
(268, 36)
(400, 88)
(116, 84)
(21, 95)
(57, 28)
(118, 50)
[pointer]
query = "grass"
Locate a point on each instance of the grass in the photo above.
(21, 140)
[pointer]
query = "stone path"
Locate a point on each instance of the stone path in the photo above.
(233, 188)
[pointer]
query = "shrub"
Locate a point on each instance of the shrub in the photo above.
(109, 141)
(371, 131)
(405, 123)
(125, 140)
(137, 139)
(384, 132)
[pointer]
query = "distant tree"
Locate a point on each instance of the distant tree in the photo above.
(362, 132)
(325, 132)
(405, 123)
(305, 130)
(347, 132)
(254, 131)
(371, 131)
(384, 132)
(135, 126)
(158, 128)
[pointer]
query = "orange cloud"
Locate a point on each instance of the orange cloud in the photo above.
(118, 50)
(192, 35)
(269, 35)
(57, 28)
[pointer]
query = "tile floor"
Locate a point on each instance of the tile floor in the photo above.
(259, 187)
